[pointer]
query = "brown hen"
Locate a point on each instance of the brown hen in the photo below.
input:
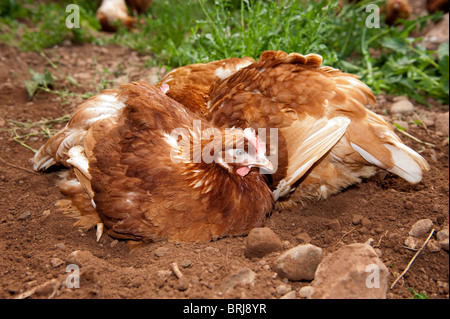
(327, 137)
(111, 13)
(131, 169)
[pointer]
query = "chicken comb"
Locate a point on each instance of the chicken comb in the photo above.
(254, 140)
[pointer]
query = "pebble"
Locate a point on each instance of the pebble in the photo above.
(305, 292)
(356, 219)
(25, 215)
(421, 228)
(282, 289)
(443, 239)
(56, 262)
(114, 243)
(61, 246)
(79, 257)
(365, 222)
(161, 251)
(303, 238)
(244, 276)
(408, 205)
(290, 295)
(262, 241)
(413, 242)
(183, 284)
(298, 263)
(185, 263)
(433, 246)
(442, 123)
(348, 272)
(401, 107)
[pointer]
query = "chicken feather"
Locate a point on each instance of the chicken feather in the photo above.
(297, 95)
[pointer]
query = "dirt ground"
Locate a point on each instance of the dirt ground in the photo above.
(36, 240)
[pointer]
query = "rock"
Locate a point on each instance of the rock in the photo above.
(433, 246)
(162, 276)
(262, 241)
(298, 263)
(183, 284)
(442, 237)
(79, 257)
(185, 263)
(408, 205)
(161, 251)
(25, 215)
(305, 292)
(352, 272)
(282, 289)
(421, 228)
(114, 243)
(365, 222)
(242, 277)
(413, 242)
(303, 238)
(61, 246)
(442, 123)
(290, 295)
(56, 262)
(401, 107)
(356, 219)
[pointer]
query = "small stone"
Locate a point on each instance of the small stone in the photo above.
(25, 215)
(242, 277)
(401, 107)
(114, 243)
(61, 246)
(290, 295)
(365, 222)
(303, 238)
(442, 123)
(356, 219)
(421, 228)
(183, 284)
(442, 237)
(433, 246)
(334, 225)
(161, 251)
(185, 263)
(282, 289)
(262, 241)
(79, 257)
(413, 242)
(56, 262)
(408, 205)
(298, 263)
(47, 288)
(305, 292)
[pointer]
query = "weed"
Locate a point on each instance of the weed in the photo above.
(416, 295)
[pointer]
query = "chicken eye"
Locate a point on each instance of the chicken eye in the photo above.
(239, 153)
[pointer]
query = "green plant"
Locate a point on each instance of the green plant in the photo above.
(416, 295)
(39, 81)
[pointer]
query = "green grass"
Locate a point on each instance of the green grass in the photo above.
(176, 33)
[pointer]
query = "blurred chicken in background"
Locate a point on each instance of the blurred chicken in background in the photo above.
(437, 5)
(112, 13)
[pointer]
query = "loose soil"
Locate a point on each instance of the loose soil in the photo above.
(36, 239)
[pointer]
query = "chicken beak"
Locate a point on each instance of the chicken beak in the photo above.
(263, 162)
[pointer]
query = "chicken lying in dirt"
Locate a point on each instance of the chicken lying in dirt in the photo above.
(134, 168)
(113, 12)
(328, 139)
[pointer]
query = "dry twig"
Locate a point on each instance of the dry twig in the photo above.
(176, 270)
(18, 167)
(412, 260)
